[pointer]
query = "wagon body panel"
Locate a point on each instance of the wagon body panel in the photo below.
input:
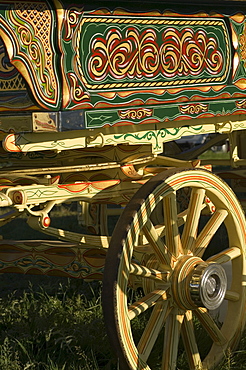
(121, 66)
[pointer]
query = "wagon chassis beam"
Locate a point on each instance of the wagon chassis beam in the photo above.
(77, 168)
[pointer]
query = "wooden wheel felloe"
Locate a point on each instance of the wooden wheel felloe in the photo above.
(191, 304)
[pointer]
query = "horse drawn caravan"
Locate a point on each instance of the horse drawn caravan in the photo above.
(93, 97)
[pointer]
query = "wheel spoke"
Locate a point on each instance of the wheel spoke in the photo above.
(182, 216)
(210, 326)
(160, 249)
(171, 340)
(193, 216)
(232, 296)
(153, 328)
(143, 271)
(226, 256)
(181, 220)
(161, 229)
(208, 231)
(173, 241)
(189, 341)
(146, 302)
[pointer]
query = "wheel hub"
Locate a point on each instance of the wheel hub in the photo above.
(196, 283)
(208, 285)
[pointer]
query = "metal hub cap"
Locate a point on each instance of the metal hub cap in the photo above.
(208, 285)
(196, 283)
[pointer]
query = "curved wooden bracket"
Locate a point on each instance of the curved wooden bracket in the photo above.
(28, 31)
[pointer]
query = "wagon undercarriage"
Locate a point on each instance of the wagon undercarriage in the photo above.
(167, 243)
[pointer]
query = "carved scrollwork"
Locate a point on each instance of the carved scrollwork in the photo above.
(242, 41)
(241, 104)
(137, 54)
(135, 113)
(77, 92)
(31, 25)
(194, 108)
(10, 78)
(72, 19)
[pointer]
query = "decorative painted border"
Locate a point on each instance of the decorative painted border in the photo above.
(153, 22)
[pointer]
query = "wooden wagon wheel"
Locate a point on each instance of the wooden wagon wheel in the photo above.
(184, 280)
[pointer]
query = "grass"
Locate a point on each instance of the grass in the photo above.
(59, 326)
(51, 323)
(56, 327)
(209, 154)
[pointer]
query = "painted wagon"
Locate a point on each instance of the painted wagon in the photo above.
(93, 99)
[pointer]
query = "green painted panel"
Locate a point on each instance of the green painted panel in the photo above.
(162, 113)
(142, 52)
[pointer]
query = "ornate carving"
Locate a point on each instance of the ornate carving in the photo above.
(241, 104)
(73, 90)
(72, 18)
(193, 108)
(135, 113)
(115, 54)
(77, 92)
(10, 78)
(156, 137)
(242, 41)
(137, 54)
(47, 257)
(30, 25)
